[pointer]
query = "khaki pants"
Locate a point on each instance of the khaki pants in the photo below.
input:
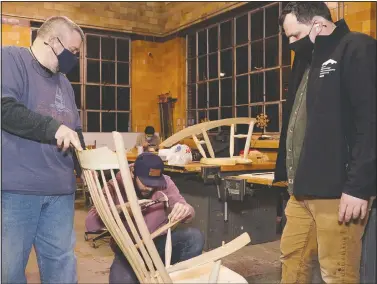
(313, 229)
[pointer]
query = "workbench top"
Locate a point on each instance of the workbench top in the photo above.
(261, 178)
(197, 166)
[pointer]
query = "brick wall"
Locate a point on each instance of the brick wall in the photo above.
(149, 18)
(361, 17)
(141, 17)
(15, 32)
(162, 72)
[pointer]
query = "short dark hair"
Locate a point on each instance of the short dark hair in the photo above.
(149, 130)
(305, 11)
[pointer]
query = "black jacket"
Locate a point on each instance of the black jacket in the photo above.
(339, 148)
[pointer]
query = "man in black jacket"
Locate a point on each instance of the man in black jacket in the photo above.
(327, 144)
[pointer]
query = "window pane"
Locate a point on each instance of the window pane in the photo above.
(242, 60)
(92, 71)
(202, 42)
(272, 52)
(108, 48)
(242, 111)
(226, 112)
(273, 85)
(123, 50)
(77, 92)
(123, 120)
(213, 114)
(202, 68)
(191, 94)
(226, 63)
(242, 90)
(108, 72)
(92, 97)
(256, 55)
(286, 52)
(226, 92)
(286, 76)
(191, 70)
(92, 120)
(74, 74)
(123, 98)
(123, 75)
(226, 39)
(213, 66)
(255, 111)
(202, 95)
(108, 122)
(191, 51)
(108, 98)
(272, 21)
(213, 39)
(272, 111)
(256, 25)
(92, 46)
(256, 87)
(241, 30)
(213, 93)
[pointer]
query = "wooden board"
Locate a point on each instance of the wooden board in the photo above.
(261, 178)
(195, 167)
(225, 161)
(198, 128)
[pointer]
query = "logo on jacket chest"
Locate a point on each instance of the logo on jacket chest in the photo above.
(327, 67)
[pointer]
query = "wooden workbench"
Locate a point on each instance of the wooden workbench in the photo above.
(195, 167)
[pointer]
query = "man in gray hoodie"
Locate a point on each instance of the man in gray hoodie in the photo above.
(40, 125)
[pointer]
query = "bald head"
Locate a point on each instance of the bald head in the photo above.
(58, 26)
(53, 37)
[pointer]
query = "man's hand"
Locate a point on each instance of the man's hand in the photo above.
(351, 207)
(180, 211)
(66, 136)
(145, 144)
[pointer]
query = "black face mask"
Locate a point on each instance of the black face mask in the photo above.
(303, 45)
(66, 60)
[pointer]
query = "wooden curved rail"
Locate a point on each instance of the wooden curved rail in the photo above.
(204, 126)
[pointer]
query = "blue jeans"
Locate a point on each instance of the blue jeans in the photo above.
(186, 243)
(45, 222)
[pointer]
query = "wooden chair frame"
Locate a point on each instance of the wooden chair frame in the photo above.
(137, 242)
(202, 128)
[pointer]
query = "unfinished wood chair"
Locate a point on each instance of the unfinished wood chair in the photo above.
(137, 242)
(202, 128)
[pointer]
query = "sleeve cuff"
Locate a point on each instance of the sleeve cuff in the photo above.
(51, 129)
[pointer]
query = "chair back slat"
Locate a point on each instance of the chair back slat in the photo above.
(132, 227)
(136, 210)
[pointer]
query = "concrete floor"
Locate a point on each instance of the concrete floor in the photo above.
(257, 263)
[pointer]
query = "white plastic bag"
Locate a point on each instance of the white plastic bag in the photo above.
(179, 155)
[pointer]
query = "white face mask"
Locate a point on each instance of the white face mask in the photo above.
(149, 138)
